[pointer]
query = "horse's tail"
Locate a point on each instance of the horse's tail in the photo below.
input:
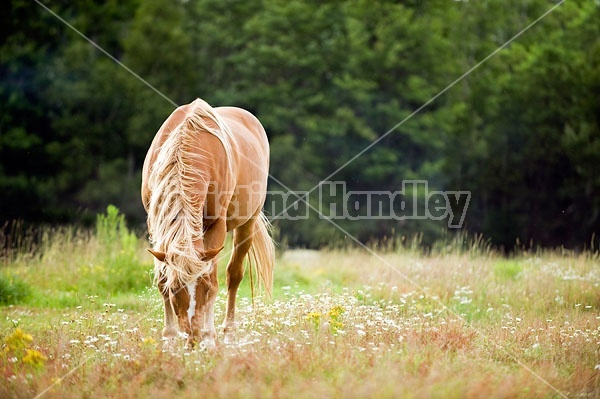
(262, 252)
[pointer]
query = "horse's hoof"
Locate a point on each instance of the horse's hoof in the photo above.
(169, 344)
(209, 339)
(209, 344)
(229, 338)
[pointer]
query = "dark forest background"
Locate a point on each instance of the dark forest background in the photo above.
(521, 132)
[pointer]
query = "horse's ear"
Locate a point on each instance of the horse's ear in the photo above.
(158, 255)
(211, 253)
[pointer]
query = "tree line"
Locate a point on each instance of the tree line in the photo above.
(521, 132)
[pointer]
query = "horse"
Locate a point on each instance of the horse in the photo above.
(205, 174)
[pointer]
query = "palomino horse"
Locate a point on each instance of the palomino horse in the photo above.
(206, 174)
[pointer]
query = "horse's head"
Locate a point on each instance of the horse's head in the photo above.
(183, 298)
(188, 300)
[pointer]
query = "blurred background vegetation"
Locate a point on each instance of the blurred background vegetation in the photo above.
(522, 132)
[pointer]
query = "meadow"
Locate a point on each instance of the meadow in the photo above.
(81, 319)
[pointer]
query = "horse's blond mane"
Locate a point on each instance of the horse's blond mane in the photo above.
(178, 193)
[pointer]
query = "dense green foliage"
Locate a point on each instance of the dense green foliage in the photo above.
(326, 79)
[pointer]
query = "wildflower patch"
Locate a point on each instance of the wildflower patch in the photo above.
(19, 354)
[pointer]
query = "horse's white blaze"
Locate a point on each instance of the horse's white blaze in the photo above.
(191, 287)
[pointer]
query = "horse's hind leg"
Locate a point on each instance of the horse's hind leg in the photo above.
(242, 240)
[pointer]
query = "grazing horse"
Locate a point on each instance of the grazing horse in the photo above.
(206, 174)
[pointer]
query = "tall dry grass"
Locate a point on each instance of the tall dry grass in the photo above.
(462, 322)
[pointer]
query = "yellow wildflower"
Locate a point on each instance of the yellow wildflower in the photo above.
(148, 342)
(17, 340)
(34, 358)
(314, 318)
(335, 315)
(336, 311)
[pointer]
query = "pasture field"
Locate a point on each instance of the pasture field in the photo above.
(80, 319)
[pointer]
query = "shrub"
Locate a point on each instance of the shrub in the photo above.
(13, 290)
(120, 266)
(112, 232)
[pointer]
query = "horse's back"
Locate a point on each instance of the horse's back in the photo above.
(246, 128)
(250, 153)
(251, 144)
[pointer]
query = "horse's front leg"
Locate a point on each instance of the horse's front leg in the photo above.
(209, 334)
(169, 332)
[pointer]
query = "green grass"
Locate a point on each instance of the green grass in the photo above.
(507, 270)
(68, 264)
(81, 318)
